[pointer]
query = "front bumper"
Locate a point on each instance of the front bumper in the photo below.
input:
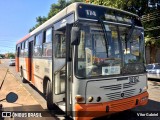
(89, 111)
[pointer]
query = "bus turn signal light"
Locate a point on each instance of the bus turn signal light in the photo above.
(79, 98)
(90, 99)
(98, 99)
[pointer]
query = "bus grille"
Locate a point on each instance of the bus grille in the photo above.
(119, 86)
(113, 87)
(128, 85)
(129, 93)
(120, 95)
(114, 96)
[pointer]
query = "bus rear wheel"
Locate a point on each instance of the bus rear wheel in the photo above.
(49, 97)
(22, 76)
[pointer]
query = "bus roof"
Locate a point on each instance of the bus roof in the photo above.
(24, 38)
(69, 9)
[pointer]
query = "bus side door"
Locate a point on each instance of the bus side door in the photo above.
(31, 74)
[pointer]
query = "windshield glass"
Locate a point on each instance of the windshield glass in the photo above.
(132, 50)
(100, 56)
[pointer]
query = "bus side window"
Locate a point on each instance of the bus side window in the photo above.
(22, 49)
(47, 43)
(26, 48)
(60, 46)
(38, 45)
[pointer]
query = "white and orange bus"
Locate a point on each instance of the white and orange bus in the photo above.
(87, 59)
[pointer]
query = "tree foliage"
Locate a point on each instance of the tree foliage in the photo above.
(135, 6)
(54, 9)
(11, 55)
(2, 56)
(139, 7)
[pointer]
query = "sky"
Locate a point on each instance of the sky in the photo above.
(17, 17)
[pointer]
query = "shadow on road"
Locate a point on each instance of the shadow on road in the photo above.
(154, 80)
(151, 107)
(35, 111)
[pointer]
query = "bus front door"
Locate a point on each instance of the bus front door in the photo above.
(58, 68)
(62, 69)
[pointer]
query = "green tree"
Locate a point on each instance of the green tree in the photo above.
(11, 55)
(135, 6)
(148, 15)
(2, 55)
(55, 8)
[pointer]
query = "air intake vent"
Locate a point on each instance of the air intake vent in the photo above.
(112, 87)
(128, 93)
(114, 96)
(128, 85)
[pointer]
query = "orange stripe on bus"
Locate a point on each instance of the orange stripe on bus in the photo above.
(17, 64)
(89, 111)
(27, 61)
(32, 74)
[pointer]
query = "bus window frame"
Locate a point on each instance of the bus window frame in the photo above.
(36, 46)
(62, 33)
(45, 43)
(26, 48)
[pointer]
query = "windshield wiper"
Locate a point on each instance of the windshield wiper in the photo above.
(105, 34)
(130, 32)
(128, 37)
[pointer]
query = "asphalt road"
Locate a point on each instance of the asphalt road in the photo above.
(153, 105)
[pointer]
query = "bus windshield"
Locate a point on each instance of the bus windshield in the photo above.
(118, 55)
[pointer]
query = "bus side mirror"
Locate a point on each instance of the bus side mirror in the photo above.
(75, 36)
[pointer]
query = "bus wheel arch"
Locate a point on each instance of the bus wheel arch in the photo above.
(47, 90)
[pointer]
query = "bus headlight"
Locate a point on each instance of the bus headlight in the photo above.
(79, 98)
(90, 99)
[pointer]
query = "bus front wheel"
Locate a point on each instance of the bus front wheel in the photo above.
(49, 97)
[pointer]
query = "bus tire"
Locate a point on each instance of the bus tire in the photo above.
(22, 77)
(49, 97)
